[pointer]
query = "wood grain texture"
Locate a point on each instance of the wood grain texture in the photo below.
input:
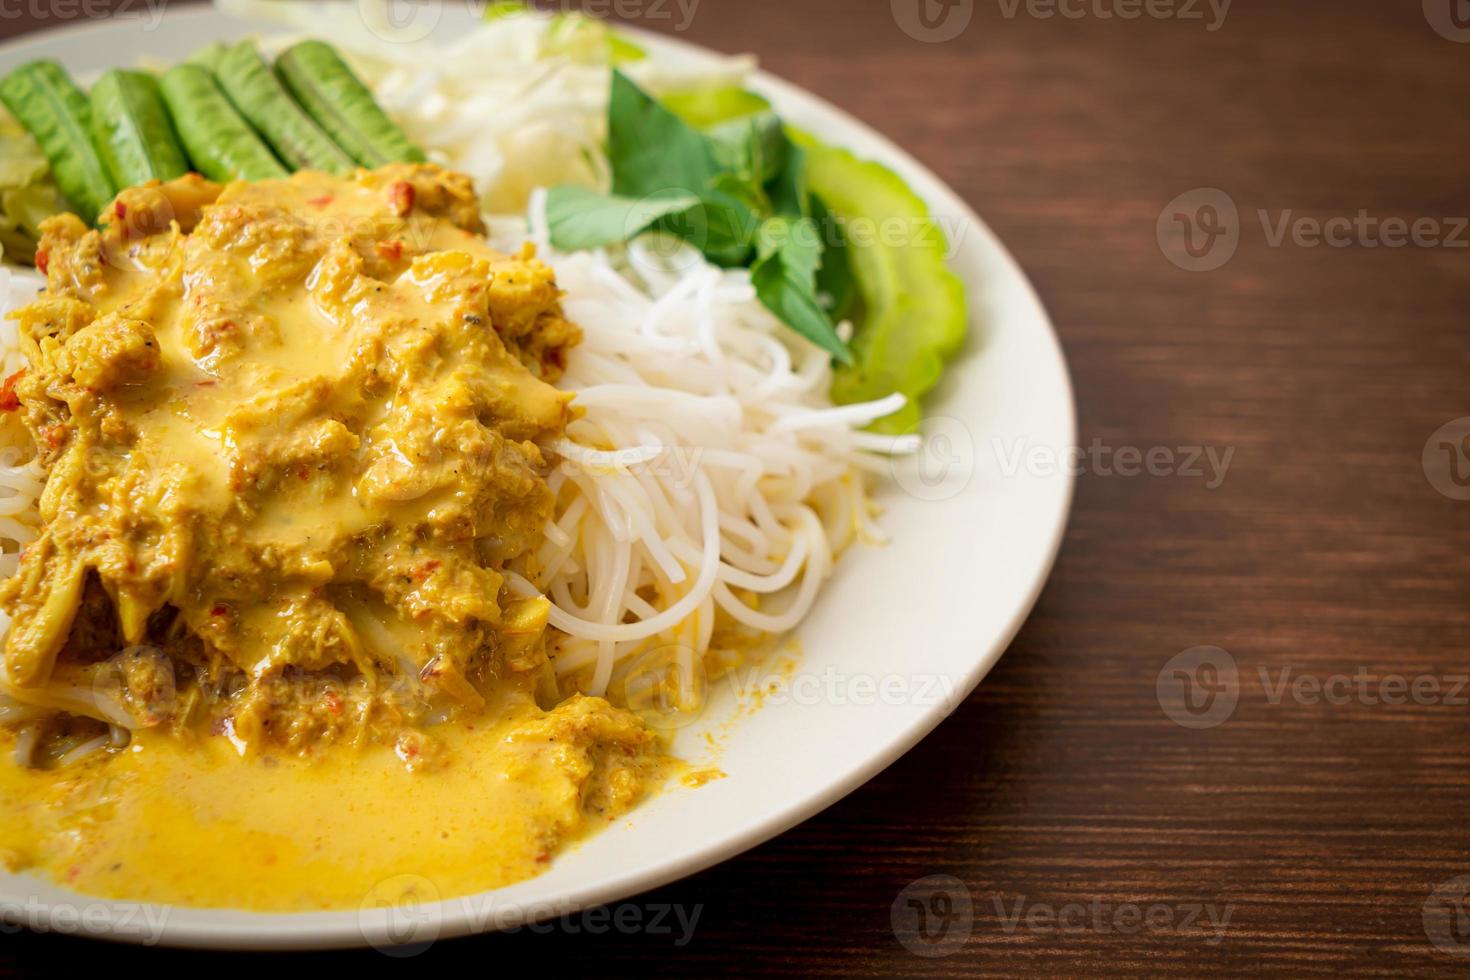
(1322, 828)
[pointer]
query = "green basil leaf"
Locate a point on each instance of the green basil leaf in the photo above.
(579, 218)
(754, 148)
(787, 191)
(720, 226)
(789, 254)
(836, 287)
(651, 149)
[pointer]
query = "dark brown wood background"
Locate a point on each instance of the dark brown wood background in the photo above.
(1322, 828)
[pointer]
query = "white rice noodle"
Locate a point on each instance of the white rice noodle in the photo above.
(21, 477)
(710, 477)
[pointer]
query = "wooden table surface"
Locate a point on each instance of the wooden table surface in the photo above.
(1314, 826)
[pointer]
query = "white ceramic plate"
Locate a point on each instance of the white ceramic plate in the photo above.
(898, 639)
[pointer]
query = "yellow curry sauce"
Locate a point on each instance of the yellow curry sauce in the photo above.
(293, 438)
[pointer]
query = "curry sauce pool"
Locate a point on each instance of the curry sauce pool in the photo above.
(262, 652)
(191, 823)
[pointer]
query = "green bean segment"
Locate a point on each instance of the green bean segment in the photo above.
(261, 98)
(132, 130)
(47, 103)
(217, 138)
(342, 105)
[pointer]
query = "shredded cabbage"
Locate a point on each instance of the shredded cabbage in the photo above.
(28, 196)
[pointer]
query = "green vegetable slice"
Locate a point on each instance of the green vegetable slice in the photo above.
(914, 306)
(710, 105)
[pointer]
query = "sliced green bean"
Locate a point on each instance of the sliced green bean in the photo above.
(131, 128)
(219, 141)
(342, 105)
(46, 101)
(261, 98)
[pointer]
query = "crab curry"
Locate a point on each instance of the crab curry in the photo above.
(262, 653)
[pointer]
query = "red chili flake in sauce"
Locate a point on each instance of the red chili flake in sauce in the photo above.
(332, 702)
(304, 472)
(42, 260)
(121, 210)
(9, 400)
(55, 436)
(320, 202)
(426, 569)
(220, 610)
(391, 250)
(401, 195)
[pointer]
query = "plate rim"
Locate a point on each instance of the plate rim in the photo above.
(342, 929)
